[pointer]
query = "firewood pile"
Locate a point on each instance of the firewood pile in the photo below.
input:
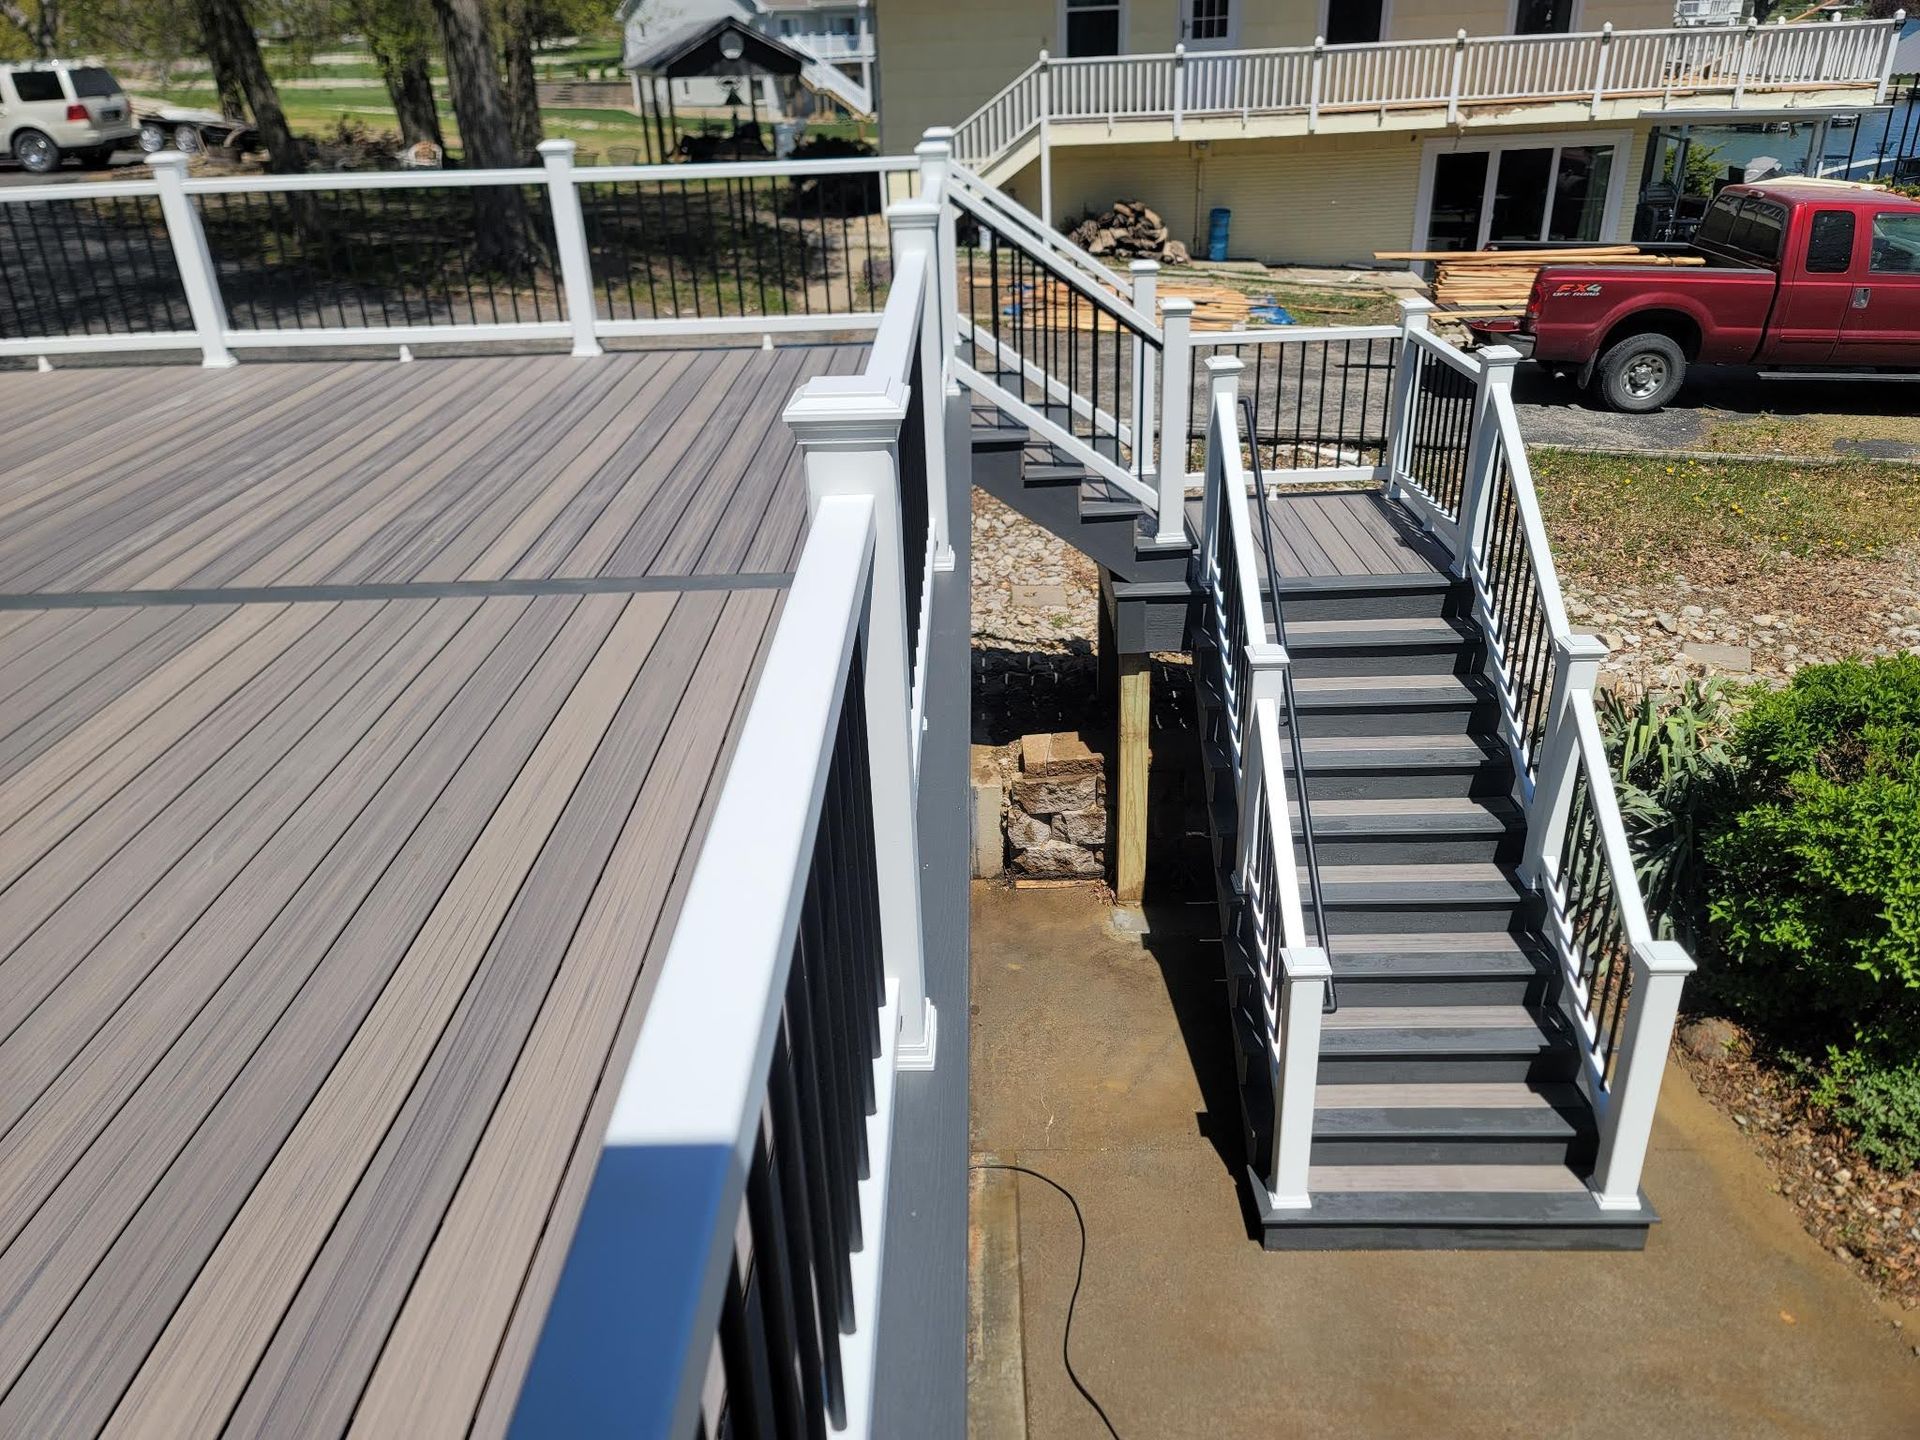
(1131, 230)
(1497, 282)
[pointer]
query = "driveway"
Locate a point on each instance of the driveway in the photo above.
(125, 165)
(1733, 410)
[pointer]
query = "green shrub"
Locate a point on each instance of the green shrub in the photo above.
(1880, 1101)
(1813, 882)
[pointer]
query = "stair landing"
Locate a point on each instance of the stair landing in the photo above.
(1343, 534)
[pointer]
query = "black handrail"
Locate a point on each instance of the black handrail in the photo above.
(1293, 713)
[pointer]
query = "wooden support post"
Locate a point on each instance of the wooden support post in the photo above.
(1130, 780)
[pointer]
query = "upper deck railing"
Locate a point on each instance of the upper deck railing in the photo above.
(1733, 64)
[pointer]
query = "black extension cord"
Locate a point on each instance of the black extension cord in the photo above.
(1079, 1273)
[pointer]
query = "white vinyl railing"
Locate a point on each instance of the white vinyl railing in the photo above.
(1283, 978)
(222, 264)
(738, 1216)
(1460, 462)
(1462, 72)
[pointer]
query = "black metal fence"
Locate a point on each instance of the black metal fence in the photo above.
(1519, 629)
(738, 245)
(790, 1300)
(1594, 925)
(1317, 404)
(88, 267)
(1439, 431)
(358, 258)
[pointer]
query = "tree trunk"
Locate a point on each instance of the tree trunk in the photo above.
(228, 34)
(399, 38)
(523, 98)
(504, 239)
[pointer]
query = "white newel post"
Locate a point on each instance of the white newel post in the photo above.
(1179, 88)
(1176, 387)
(1496, 380)
(1600, 69)
(848, 427)
(1146, 285)
(1894, 30)
(1315, 79)
(936, 167)
(1223, 381)
(1044, 79)
(194, 260)
(1415, 318)
(1305, 975)
(1458, 76)
(915, 226)
(1660, 969)
(570, 239)
(1576, 667)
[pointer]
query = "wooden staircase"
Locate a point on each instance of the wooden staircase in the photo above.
(1447, 1113)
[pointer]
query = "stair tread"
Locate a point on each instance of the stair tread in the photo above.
(1440, 814)
(1403, 1181)
(1531, 1115)
(1383, 633)
(1442, 1096)
(1386, 686)
(1396, 750)
(1493, 1205)
(1435, 1031)
(1485, 955)
(1452, 945)
(1431, 1017)
(1457, 882)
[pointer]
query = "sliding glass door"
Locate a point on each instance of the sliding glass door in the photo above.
(1522, 192)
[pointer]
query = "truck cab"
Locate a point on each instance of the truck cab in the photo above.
(1813, 276)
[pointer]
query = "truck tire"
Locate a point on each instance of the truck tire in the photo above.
(36, 153)
(1641, 373)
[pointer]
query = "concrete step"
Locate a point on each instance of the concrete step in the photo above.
(1469, 1124)
(1456, 1043)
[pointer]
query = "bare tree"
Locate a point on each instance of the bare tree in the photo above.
(520, 22)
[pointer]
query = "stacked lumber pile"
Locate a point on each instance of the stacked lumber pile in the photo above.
(1131, 230)
(1215, 307)
(1497, 282)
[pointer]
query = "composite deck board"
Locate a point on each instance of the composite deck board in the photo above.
(328, 917)
(1328, 534)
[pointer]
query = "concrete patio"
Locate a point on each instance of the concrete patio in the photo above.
(1102, 1062)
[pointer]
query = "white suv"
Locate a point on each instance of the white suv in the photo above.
(52, 109)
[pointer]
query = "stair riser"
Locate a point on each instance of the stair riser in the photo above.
(1443, 1069)
(1451, 720)
(1410, 849)
(1577, 1151)
(1426, 919)
(1439, 991)
(1315, 662)
(1455, 1237)
(1477, 782)
(1425, 604)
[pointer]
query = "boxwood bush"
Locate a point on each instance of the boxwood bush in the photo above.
(1812, 875)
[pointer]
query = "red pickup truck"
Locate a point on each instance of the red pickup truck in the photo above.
(1812, 277)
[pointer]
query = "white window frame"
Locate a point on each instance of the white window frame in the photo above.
(1232, 42)
(1386, 19)
(1556, 140)
(1060, 20)
(1576, 23)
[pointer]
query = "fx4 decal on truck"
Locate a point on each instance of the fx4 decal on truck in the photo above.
(1572, 290)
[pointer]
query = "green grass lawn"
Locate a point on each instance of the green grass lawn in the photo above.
(1610, 514)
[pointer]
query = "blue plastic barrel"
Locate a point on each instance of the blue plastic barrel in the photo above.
(1217, 221)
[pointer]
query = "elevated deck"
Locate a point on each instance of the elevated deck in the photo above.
(361, 725)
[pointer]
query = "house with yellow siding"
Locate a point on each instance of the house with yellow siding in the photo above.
(1329, 129)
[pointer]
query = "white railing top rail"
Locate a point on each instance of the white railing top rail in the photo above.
(702, 1054)
(458, 179)
(896, 342)
(1611, 828)
(1223, 450)
(1453, 355)
(1078, 266)
(1097, 292)
(1292, 335)
(1279, 816)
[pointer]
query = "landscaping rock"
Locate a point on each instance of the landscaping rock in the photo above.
(1736, 659)
(1061, 859)
(1024, 832)
(1083, 827)
(1055, 797)
(1059, 754)
(1710, 1039)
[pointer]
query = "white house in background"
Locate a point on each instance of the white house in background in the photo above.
(838, 34)
(1330, 129)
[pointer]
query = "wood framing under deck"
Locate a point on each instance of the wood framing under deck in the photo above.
(360, 726)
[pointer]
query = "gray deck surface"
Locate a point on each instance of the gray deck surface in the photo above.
(1324, 534)
(326, 914)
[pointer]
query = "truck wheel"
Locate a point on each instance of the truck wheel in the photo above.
(1641, 373)
(36, 154)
